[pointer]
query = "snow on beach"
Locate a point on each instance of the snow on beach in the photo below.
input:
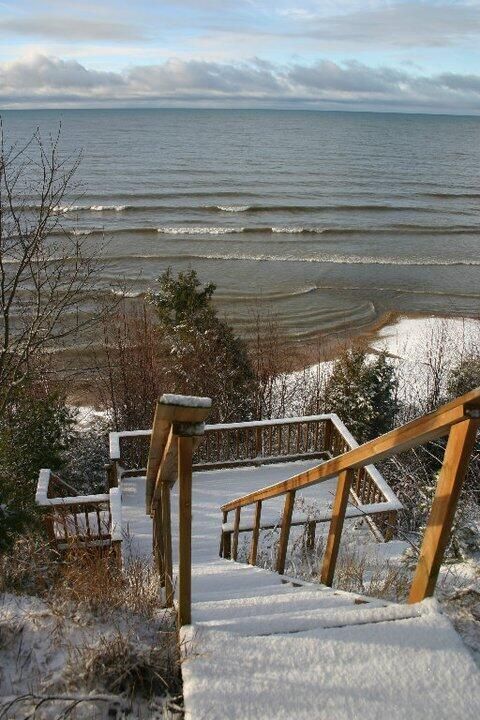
(410, 337)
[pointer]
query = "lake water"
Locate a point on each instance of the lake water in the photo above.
(327, 220)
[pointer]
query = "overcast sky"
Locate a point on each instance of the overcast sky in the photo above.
(416, 55)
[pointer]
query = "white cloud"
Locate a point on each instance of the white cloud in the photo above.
(403, 24)
(69, 28)
(46, 81)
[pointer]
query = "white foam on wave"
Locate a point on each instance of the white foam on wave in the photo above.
(198, 230)
(94, 208)
(102, 208)
(66, 208)
(233, 208)
(294, 230)
(337, 260)
(126, 293)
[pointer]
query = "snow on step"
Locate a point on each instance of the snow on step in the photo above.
(271, 601)
(415, 667)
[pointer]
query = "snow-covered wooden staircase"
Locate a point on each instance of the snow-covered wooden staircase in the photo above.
(263, 647)
(258, 645)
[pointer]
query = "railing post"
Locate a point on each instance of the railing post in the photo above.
(455, 462)
(285, 531)
(222, 535)
(256, 533)
(236, 530)
(185, 454)
(339, 509)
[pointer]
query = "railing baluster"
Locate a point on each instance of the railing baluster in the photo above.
(328, 435)
(158, 541)
(285, 531)
(167, 544)
(258, 442)
(207, 447)
(236, 530)
(336, 525)
(256, 533)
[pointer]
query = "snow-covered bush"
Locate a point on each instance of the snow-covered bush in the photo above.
(36, 429)
(362, 390)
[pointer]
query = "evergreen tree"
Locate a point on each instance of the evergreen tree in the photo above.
(362, 390)
(36, 429)
(203, 356)
(464, 376)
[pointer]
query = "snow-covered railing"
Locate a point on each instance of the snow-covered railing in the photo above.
(281, 440)
(73, 520)
(459, 420)
(235, 444)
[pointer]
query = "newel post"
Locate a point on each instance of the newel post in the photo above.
(185, 454)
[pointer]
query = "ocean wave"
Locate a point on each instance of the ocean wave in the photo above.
(63, 209)
(324, 259)
(450, 196)
(199, 230)
(298, 230)
(342, 207)
(229, 208)
(316, 230)
(221, 230)
(103, 208)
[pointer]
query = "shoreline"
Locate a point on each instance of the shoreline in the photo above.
(307, 353)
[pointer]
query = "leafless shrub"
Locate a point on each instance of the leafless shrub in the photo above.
(46, 269)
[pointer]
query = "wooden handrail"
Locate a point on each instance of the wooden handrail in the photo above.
(415, 433)
(459, 419)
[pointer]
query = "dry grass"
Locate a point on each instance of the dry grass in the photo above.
(357, 571)
(122, 665)
(30, 567)
(117, 637)
(94, 581)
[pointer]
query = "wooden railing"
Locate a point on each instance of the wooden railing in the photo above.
(177, 429)
(85, 521)
(271, 441)
(458, 419)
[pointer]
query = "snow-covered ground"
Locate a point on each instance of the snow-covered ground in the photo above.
(60, 659)
(410, 338)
